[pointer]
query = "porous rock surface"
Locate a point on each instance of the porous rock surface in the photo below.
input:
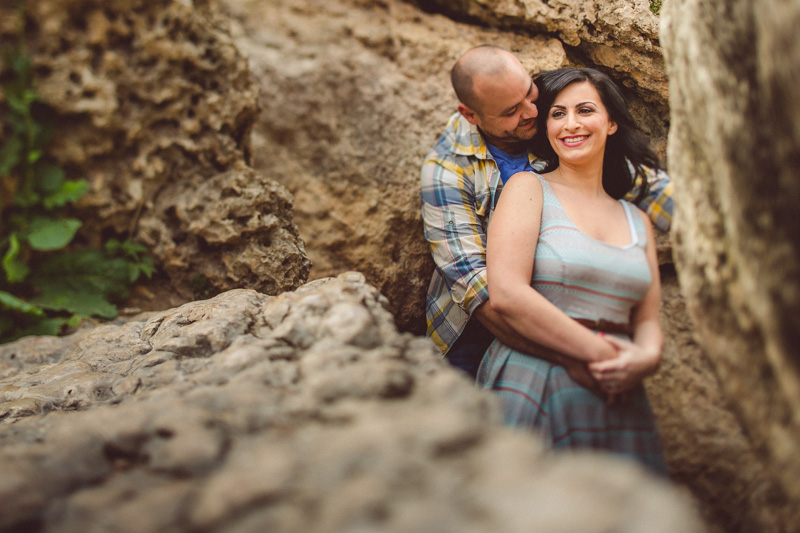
(733, 154)
(306, 412)
(154, 105)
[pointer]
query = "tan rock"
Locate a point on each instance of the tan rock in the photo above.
(154, 106)
(732, 153)
(258, 431)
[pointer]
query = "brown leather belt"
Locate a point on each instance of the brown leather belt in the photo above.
(606, 326)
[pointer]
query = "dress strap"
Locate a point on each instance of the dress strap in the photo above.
(635, 224)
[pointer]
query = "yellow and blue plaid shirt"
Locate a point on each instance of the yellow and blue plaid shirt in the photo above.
(460, 185)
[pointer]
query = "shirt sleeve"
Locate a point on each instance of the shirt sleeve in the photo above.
(658, 203)
(456, 233)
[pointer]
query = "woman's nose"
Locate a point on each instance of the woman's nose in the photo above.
(572, 121)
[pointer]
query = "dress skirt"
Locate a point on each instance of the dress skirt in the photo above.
(539, 395)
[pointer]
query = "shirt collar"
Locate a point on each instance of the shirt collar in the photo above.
(469, 141)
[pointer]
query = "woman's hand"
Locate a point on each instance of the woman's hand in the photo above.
(622, 373)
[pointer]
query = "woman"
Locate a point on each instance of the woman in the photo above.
(574, 267)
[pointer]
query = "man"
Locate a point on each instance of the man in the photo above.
(485, 142)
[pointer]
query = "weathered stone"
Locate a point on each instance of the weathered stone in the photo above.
(733, 71)
(154, 106)
(250, 433)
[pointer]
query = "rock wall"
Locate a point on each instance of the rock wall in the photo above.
(734, 69)
(154, 106)
(307, 412)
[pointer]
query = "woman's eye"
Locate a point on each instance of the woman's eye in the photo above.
(557, 114)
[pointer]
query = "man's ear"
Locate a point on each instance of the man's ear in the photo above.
(468, 114)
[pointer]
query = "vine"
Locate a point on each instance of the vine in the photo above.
(46, 285)
(655, 6)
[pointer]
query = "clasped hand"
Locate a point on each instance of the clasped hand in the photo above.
(625, 371)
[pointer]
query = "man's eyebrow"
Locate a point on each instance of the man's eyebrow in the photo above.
(513, 107)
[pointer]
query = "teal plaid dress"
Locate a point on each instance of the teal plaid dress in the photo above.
(593, 280)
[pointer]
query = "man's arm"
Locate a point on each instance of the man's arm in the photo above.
(455, 231)
(495, 323)
(658, 203)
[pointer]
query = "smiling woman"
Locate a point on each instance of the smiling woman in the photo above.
(578, 126)
(573, 266)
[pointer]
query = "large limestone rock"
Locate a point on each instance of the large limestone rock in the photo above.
(306, 412)
(734, 69)
(154, 106)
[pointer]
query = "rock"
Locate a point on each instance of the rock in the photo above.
(243, 428)
(707, 449)
(155, 106)
(733, 156)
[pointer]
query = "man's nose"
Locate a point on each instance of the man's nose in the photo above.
(530, 111)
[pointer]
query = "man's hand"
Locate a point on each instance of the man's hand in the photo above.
(576, 370)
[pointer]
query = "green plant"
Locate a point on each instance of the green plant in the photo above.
(655, 6)
(45, 284)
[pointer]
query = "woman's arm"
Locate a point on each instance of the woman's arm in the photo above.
(511, 246)
(640, 358)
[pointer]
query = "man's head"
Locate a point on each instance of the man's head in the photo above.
(497, 95)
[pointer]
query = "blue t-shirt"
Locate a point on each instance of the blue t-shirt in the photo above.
(510, 164)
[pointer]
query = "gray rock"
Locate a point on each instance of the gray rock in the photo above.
(218, 418)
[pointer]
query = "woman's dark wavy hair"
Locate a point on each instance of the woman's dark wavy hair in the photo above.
(627, 144)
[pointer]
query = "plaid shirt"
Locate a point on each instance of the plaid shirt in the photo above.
(460, 187)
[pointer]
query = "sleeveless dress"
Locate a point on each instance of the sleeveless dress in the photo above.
(587, 279)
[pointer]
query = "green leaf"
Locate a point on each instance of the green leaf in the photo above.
(110, 275)
(16, 270)
(45, 326)
(70, 191)
(49, 178)
(52, 234)
(10, 155)
(77, 296)
(25, 198)
(34, 156)
(75, 321)
(9, 301)
(146, 266)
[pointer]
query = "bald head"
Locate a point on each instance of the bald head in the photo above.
(477, 64)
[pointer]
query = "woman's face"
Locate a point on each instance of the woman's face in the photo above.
(578, 124)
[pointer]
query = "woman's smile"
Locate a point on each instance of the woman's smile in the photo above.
(574, 140)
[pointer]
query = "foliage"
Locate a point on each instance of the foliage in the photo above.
(45, 285)
(655, 6)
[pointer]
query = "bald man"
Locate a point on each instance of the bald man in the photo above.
(484, 143)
